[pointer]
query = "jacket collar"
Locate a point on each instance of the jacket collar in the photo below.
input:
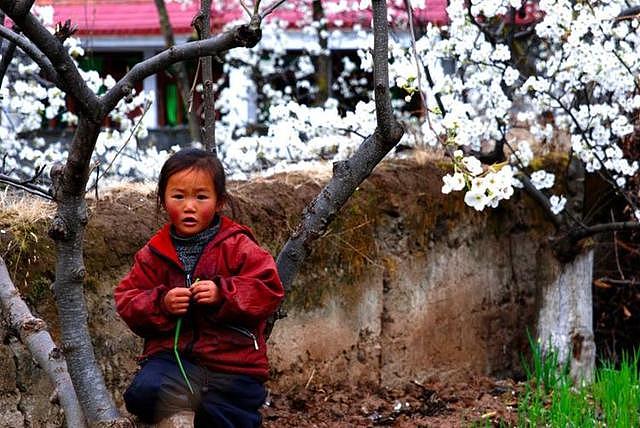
(162, 244)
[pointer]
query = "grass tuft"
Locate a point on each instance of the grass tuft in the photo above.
(550, 399)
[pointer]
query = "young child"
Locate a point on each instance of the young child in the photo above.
(199, 294)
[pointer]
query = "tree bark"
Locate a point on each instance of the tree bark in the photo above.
(67, 230)
(72, 83)
(322, 62)
(179, 70)
(349, 174)
(565, 320)
(32, 333)
(241, 36)
(202, 23)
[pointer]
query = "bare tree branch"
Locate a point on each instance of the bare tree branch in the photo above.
(586, 232)
(22, 7)
(271, 8)
(28, 187)
(241, 36)
(73, 84)
(32, 51)
(33, 334)
(7, 57)
(349, 174)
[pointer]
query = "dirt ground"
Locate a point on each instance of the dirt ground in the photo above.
(480, 402)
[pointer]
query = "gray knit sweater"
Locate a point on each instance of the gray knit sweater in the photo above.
(189, 248)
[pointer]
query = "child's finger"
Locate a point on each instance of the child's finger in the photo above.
(180, 291)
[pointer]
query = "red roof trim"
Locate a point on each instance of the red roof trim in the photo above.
(135, 17)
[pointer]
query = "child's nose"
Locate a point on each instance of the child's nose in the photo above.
(189, 205)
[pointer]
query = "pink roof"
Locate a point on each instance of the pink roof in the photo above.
(140, 17)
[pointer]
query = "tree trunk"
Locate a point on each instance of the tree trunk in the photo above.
(33, 334)
(202, 24)
(322, 62)
(67, 230)
(179, 70)
(565, 322)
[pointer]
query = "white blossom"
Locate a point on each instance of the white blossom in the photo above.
(557, 204)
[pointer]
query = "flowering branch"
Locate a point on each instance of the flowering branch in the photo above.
(605, 175)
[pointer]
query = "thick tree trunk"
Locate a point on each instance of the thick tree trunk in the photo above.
(565, 321)
(33, 334)
(67, 230)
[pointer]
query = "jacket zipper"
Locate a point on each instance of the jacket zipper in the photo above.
(189, 283)
(244, 332)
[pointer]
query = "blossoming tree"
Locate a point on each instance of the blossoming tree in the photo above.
(569, 72)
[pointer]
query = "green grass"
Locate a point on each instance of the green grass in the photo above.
(549, 398)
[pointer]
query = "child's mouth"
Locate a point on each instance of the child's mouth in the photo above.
(189, 221)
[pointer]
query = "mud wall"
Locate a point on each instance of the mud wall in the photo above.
(457, 307)
(407, 284)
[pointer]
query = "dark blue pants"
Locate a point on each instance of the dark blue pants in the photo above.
(220, 400)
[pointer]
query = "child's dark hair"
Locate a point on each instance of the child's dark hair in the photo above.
(192, 158)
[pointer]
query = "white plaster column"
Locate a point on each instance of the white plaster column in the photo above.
(243, 88)
(149, 85)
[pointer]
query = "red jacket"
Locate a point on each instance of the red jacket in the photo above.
(227, 337)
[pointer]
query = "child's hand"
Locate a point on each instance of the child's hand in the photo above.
(177, 300)
(205, 292)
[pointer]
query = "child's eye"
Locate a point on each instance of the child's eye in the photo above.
(202, 197)
(177, 196)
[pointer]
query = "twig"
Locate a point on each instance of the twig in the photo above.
(313, 372)
(605, 227)
(605, 175)
(246, 8)
(272, 7)
(367, 258)
(193, 86)
(615, 248)
(27, 187)
(618, 281)
(131, 134)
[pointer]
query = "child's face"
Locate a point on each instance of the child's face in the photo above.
(190, 201)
